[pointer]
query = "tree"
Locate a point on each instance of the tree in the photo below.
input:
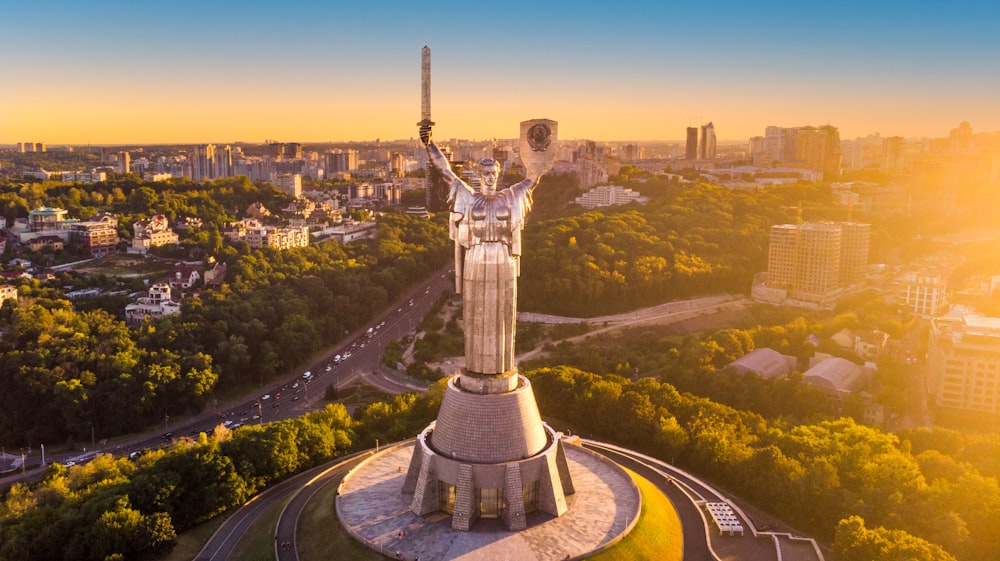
(854, 542)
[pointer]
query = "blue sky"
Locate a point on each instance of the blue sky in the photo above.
(119, 72)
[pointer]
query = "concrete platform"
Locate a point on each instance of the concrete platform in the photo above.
(373, 510)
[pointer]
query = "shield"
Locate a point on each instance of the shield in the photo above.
(538, 145)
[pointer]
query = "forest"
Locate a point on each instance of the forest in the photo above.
(922, 494)
(69, 373)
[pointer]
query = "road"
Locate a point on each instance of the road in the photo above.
(702, 541)
(286, 401)
(222, 543)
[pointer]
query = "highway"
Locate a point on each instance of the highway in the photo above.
(286, 401)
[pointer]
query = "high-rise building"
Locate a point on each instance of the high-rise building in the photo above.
(124, 162)
(816, 262)
(706, 147)
(692, 144)
(855, 240)
(222, 162)
(397, 164)
(922, 293)
(963, 363)
(345, 160)
(290, 183)
(816, 148)
(892, 155)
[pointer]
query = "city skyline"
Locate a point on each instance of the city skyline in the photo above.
(110, 72)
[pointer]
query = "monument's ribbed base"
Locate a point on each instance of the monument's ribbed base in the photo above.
(488, 456)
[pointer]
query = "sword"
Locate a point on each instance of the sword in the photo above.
(425, 87)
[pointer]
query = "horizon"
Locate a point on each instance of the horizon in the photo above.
(114, 73)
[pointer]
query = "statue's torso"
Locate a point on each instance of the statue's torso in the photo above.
(490, 218)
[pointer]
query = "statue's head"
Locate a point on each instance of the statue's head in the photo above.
(489, 172)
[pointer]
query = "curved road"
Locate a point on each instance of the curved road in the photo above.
(222, 543)
(701, 539)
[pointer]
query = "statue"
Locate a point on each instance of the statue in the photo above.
(486, 228)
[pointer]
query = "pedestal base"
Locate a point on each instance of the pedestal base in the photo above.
(507, 491)
(488, 455)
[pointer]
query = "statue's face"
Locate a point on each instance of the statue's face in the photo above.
(489, 176)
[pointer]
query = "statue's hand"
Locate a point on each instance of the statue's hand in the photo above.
(425, 134)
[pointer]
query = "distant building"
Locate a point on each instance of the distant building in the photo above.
(215, 276)
(289, 183)
(46, 219)
(870, 343)
(813, 264)
(237, 231)
(153, 176)
(7, 292)
(691, 151)
(963, 363)
(764, 362)
(836, 376)
(341, 161)
(922, 294)
(98, 236)
(607, 195)
(185, 275)
(258, 236)
(418, 211)
(152, 232)
(156, 305)
(84, 177)
(278, 238)
(351, 231)
(707, 144)
(55, 243)
(816, 148)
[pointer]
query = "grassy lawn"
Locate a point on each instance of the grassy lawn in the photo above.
(122, 265)
(320, 535)
(657, 536)
(190, 543)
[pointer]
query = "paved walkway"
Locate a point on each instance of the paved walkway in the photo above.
(372, 508)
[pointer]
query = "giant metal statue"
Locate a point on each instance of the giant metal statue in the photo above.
(488, 454)
(486, 227)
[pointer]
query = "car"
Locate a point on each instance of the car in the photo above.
(69, 464)
(295, 398)
(228, 423)
(295, 385)
(265, 397)
(167, 436)
(307, 374)
(328, 368)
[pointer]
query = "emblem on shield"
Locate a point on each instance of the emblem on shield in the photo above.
(538, 145)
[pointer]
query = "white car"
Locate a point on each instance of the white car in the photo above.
(307, 374)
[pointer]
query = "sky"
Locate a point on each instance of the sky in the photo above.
(195, 71)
